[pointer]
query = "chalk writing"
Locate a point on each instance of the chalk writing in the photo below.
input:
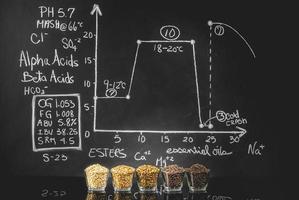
(230, 119)
(104, 152)
(56, 122)
(46, 193)
(206, 150)
(255, 149)
(159, 48)
(57, 157)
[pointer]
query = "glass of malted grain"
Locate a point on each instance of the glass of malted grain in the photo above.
(197, 178)
(96, 177)
(147, 178)
(173, 177)
(122, 178)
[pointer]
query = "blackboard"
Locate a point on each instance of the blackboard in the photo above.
(131, 82)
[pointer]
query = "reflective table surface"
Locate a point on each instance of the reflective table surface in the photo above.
(75, 188)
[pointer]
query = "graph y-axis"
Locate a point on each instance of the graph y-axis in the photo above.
(95, 9)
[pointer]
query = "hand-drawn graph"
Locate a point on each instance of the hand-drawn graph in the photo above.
(152, 101)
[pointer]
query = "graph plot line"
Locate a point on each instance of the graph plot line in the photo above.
(196, 83)
(165, 41)
(128, 96)
(237, 32)
(111, 97)
(96, 10)
(133, 70)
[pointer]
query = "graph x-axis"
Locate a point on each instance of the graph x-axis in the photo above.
(240, 131)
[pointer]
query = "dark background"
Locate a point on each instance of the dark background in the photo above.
(256, 90)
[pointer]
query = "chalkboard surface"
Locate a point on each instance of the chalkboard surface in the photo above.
(134, 82)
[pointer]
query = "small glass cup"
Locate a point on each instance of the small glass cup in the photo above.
(147, 178)
(96, 177)
(122, 178)
(197, 178)
(173, 177)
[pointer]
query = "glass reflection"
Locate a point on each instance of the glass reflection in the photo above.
(198, 196)
(96, 196)
(122, 196)
(173, 196)
(148, 196)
